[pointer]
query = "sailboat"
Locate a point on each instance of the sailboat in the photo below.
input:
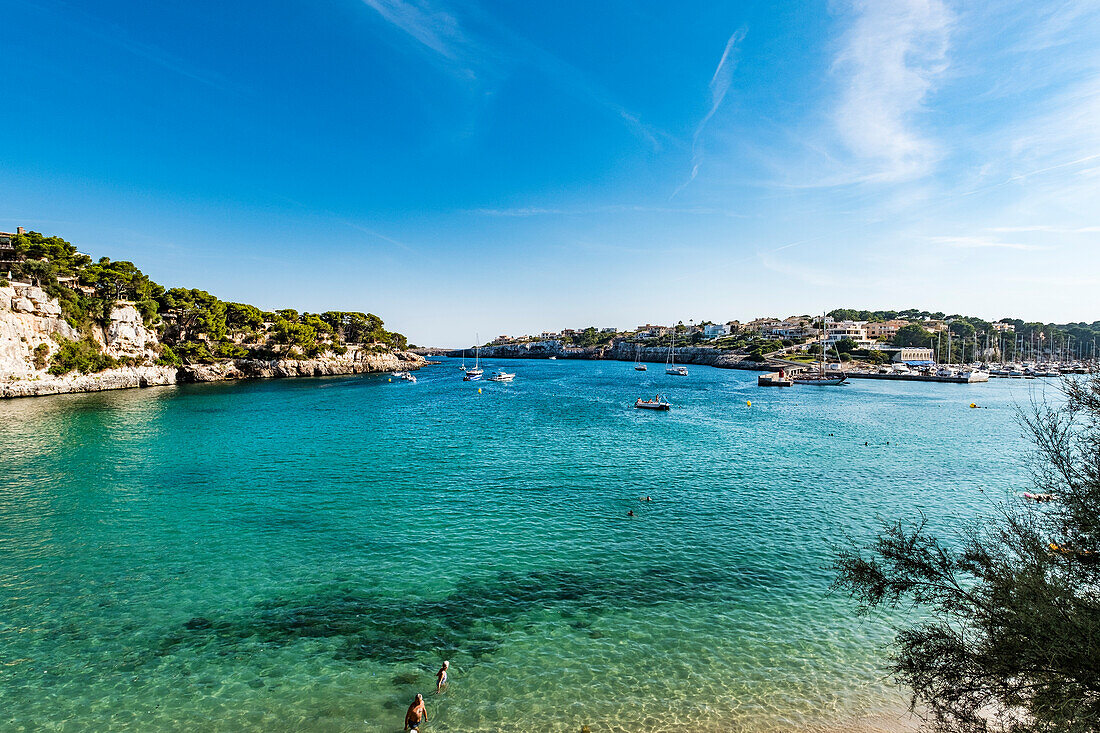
(638, 365)
(821, 379)
(463, 365)
(670, 365)
(474, 374)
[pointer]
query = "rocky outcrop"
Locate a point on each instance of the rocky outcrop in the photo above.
(350, 363)
(30, 318)
(126, 335)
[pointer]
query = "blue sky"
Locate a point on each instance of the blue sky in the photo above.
(503, 167)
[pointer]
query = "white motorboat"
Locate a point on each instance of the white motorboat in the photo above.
(408, 377)
(502, 377)
(654, 404)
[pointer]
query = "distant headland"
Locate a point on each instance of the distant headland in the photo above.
(870, 337)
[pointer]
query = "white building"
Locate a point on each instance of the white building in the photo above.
(854, 330)
(714, 330)
(914, 356)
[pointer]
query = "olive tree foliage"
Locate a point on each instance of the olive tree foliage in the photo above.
(1009, 631)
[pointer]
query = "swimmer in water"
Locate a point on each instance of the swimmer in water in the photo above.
(630, 513)
(441, 676)
(416, 714)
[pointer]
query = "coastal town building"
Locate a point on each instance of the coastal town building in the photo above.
(914, 356)
(793, 327)
(762, 325)
(877, 329)
(854, 330)
(1002, 327)
(715, 330)
(651, 331)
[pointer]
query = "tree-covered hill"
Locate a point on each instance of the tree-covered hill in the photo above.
(192, 325)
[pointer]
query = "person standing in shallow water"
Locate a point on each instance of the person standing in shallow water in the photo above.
(441, 677)
(416, 714)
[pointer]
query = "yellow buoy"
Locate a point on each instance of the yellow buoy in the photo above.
(973, 405)
(389, 380)
(479, 390)
(748, 402)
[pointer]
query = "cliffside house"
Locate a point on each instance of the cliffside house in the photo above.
(7, 246)
(714, 330)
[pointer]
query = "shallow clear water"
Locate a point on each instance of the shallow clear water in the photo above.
(301, 554)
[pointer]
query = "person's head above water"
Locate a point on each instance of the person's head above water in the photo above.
(446, 664)
(418, 698)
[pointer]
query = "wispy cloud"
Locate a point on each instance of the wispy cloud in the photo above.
(891, 58)
(981, 243)
(495, 49)
(720, 83)
(435, 29)
(1046, 228)
(430, 25)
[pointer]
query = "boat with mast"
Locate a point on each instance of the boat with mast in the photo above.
(821, 379)
(638, 365)
(475, 373)
(670, 364)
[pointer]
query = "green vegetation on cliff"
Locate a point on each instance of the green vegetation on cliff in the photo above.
(193, 326)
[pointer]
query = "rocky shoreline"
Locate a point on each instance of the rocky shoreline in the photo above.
(42, 384)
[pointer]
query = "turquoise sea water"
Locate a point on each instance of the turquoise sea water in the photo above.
(301, 554)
